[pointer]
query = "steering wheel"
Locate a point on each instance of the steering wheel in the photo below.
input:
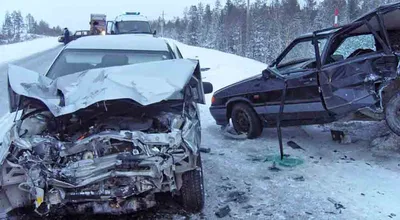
(360, 52)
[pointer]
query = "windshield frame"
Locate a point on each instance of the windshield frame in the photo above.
(172, 56)
(277, 61)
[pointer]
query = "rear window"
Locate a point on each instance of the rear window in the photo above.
(73, 61)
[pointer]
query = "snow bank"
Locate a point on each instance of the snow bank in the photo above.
(225, 69)
(11, 52)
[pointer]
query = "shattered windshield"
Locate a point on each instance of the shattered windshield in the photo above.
(133, 27)
(301, 52)
(73, 61)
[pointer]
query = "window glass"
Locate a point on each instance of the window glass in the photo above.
(301, 52)
(352, 44)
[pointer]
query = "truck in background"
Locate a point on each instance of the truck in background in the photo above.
(98, 24)
(130, 23)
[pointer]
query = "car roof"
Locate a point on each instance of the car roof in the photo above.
(128, 17)
(120, 42)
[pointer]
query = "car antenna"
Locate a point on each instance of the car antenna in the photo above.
(278, 125)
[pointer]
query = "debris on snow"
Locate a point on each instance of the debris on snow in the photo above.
(222, 212)
(273, 168)
(205, 150)
(337, 205)
(230, 132)
(337, 135)
(299, 178)
(392, 215)
(238, 196)
(294, 145)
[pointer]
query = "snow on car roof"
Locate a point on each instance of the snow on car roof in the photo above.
(120, 42)
(126, 17)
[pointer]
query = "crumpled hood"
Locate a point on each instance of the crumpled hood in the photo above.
(145, 83)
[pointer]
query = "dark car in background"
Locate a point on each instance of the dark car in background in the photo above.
(77, 35)
(349, 73)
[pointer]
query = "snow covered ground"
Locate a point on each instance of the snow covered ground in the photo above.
(336, 181)
(11, 52)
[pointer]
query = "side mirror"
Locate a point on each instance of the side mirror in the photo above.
(208, 87)
(155, 32)
(266, 74)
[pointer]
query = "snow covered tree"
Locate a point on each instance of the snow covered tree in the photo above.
(18, 25)
(8, 27)
(193, 27)
(30, 24)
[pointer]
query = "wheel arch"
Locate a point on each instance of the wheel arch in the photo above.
(232, 102)
(390, 90)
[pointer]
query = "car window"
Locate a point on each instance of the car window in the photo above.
(78, 33)
(349, 47)
(133, 27)
(301, 52)
(73, 61)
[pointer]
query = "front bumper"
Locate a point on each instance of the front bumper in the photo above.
(219, 113)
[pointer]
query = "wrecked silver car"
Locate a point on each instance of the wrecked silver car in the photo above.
(104, 140)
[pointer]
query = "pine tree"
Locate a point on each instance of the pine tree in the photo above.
(8, 27)
(193, 26)
(18, 25)
(30, 24)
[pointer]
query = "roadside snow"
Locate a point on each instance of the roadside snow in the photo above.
(11, 52)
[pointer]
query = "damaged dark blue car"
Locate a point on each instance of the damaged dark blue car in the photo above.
(344, 73)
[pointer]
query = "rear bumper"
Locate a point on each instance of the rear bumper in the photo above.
(219, 114)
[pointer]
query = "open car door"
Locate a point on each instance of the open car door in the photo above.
(355, 62)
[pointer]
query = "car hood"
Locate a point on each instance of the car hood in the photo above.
(222, 92)
(145, 83)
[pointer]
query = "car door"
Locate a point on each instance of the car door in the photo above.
(302, 100)
(351, 71)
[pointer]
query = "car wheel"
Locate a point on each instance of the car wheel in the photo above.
(192, 190)
(392, 114)
(246, 121)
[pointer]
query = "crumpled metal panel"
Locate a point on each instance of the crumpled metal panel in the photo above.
(145, 83)
(351, 86)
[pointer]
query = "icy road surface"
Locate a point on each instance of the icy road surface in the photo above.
(354, 181)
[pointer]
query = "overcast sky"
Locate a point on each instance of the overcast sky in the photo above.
(75, 14)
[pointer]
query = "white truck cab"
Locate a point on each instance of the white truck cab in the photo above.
(129, 23)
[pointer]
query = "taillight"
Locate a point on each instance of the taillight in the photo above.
(212, 100)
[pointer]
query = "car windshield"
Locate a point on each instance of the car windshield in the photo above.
(133, 27)
(73, 61)
(301, 52)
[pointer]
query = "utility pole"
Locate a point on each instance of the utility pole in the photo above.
(162, 24)
(248, 22)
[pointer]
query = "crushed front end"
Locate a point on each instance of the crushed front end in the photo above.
(111, 157)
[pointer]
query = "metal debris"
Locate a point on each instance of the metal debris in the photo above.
(294, 145)
(299, 178)
(337, 205)
(222, 212)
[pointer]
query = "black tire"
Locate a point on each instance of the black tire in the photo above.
(192, 191)
(246, 121)
(392, 114)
